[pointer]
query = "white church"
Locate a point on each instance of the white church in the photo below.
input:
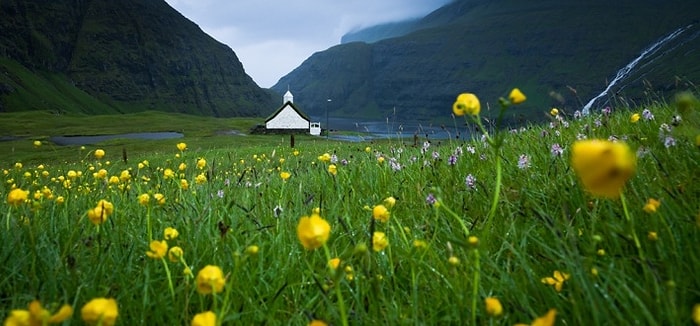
(288, 118)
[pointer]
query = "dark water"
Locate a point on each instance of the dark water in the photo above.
(388, 129)
(87, 140)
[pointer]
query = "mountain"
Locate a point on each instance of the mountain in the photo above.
(103, 56)
(558, 52)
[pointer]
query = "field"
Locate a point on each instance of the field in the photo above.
(514, 227)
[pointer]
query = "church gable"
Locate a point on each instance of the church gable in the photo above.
(287, 117)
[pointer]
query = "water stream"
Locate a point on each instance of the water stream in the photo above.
(625, 71)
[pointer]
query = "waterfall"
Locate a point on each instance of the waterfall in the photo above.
(622, 73)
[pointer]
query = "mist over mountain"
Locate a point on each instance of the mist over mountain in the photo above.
(559, 53)
(102, 56)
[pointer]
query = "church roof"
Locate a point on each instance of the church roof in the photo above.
(290, 104)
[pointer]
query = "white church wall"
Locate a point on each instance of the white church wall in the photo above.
(287, 119)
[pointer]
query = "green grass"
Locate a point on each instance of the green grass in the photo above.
(544, 221)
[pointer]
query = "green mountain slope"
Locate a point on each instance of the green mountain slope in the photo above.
(569, 49)
(101, 56)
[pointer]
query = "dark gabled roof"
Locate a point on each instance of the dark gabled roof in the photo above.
(294, 107)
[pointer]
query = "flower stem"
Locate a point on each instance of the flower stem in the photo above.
(458, 218)
(631, 223)
(475, 285)
(497, 188)
(170, 279)
(339, 295)
(148, 224)
(8, 219)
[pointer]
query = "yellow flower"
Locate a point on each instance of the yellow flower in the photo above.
(170, 233)
(125, 176)
(334, 263)
(380, 213)
(313, 232)
(160, 199)
(144, 199)
(99, 153)
(325, 158)
(99, 214)
(181, 146)
(493, 306)
(368, 149)
(696, 314)
(554, 111)
(200, 179)
(158, 249)
(652, 236)
(285, 175)
(18, 318)
(318, 322)
(557, 280)
(252, 250)
(603, 166)
(210, 279)
(420, 244)
(175, 253)
(206, 318)
(473, 240)
(652, 205)
(453, 260)
(466, 103)
(184, 185)
(332, 169)
(379, 241)
(37, 143)
(389, 202)
(634, 118)
(17, 197)
(168, 173)
(182, 167)
(547, 320)
(516, 96)
(37, 315)
(100, 311)
(201, 163)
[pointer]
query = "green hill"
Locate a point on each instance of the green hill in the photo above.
(101, 56)
(560, 53)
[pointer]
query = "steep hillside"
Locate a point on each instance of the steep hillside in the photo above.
(568, 49)
(101, 56)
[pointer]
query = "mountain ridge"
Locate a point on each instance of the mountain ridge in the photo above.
(564, 48)
(129, 56)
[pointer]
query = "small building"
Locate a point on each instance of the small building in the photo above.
(289, 118)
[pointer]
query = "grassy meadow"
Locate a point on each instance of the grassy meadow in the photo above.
(245, 230)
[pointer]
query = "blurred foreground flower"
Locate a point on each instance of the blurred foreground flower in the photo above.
(379, 241)
(210, 279)
(603, 166)
(493, 306)
(547, 320)
(206, 318)
(466, 103)
(313, 231)
(381, 213)
(100, 311)
(17, 196)
(99, 214)
(37, 315)
(516, 96)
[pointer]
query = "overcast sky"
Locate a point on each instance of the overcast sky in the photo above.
(272, 37)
